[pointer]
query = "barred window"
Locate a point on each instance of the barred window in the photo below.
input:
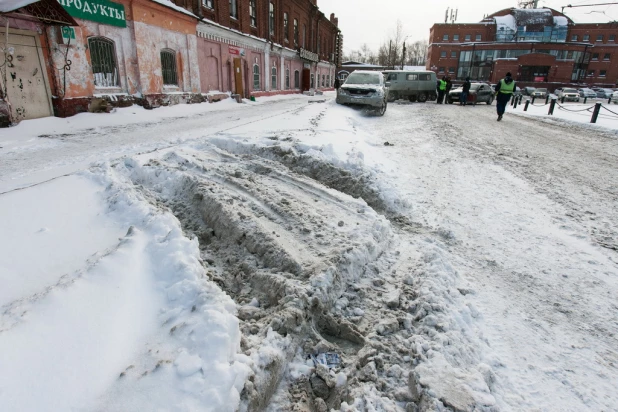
(328, 80)
(103, 58)
(256, 77)
(207, 3)
(287, 79)
(323, 80)
(273, 78)
(295, 32)
(271, 19)
(296, 79)
(285, 26)
(312, 84)
(252, 13)
(168, 67)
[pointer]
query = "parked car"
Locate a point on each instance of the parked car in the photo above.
(539, 93)
(364, 88)
(527, 91)
(586, 92)
(569, 95)
(603, 93)
(615, 97)
(479, 92)
(418, 85)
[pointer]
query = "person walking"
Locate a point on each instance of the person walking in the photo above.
(441, 88)
(337, 83)
(504, 91)
(465, 90)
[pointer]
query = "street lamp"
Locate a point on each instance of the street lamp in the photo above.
(403, 52)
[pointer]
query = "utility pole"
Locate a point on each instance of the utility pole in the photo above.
(403, 55)
(390, 43)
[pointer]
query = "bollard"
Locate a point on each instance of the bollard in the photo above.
(609, 101)
(526, 106)
(521, 97)
(595, 113)
(512, 99)
(515, 103)
(533, 98)
(546, 99)
(551, 107)
(585, 98)
(562, 100)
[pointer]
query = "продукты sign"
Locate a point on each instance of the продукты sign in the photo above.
(101, 11)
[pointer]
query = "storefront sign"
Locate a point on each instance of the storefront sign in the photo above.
(101, 11)
(236, 51)
(307, 55)
(68, 35)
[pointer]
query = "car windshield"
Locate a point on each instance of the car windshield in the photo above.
(363, 78)
(476, 86)
(569, 91)
(542, 90)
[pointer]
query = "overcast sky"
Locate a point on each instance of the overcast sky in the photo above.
(371, 21)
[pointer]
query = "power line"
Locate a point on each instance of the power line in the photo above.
(587, 5)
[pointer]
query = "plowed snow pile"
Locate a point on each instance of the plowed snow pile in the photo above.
(220, 273)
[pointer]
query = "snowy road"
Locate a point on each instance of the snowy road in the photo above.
(467, 265)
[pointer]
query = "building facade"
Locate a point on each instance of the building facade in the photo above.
(540, 47)
(159, 52)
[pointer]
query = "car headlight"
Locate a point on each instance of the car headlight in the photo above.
(343, 91)
(379, 92)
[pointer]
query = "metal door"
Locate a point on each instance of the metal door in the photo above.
(27, 87)
(238, 77)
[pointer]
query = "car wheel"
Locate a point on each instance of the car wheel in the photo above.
(412, 98)
(433, 96)
(422, 97)
(490, 101)
(450, 101)
(382, 109)
(392, 96)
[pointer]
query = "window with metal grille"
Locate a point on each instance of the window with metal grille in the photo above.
(285, 26)
(295, 32)
(103, 58)
(234, 9)
(207, 3)
(323, 80)
(296, 79)
(271, 18)
(328, 80)
(168, 67)
(287, 79)
(273, 78)
(312, 84)
(252, 13)
(256, 77)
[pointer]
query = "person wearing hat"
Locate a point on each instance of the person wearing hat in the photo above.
(463, 97)
(504, 91)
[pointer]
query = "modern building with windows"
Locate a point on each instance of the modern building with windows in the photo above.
(162, 52)
(540, 47)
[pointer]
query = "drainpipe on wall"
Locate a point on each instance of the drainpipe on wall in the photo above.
(282, 70)
(4, 72)
(266, 76)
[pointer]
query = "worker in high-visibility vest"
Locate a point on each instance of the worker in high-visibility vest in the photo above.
(441, 89)
(504, 91)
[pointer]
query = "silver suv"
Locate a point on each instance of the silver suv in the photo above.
(364, 88)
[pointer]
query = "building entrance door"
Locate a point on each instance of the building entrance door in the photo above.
(27, 86)
(238, 89)
(306, 80)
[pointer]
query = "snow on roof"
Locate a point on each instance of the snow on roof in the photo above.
(506, 23)
(561, 21)
(10, 5)
(171, 5)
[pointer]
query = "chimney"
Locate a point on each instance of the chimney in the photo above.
(334, 19)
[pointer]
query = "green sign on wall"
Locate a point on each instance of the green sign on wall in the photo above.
(101, 11)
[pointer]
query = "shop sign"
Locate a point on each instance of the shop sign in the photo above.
(236, 51)
(101, 11)
(307, 55)
(68, 35)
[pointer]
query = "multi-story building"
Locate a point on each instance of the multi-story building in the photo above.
(540, 47)
(159, 52)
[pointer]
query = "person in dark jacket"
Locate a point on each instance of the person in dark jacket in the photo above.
(449, 85)
(441, 88)
(337, 83)
(463, 97)
(504, 91)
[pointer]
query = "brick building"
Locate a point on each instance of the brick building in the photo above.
(540, 47)
(159, 52)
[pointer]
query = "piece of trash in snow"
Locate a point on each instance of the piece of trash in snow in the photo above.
(388, 144)
(331, 360)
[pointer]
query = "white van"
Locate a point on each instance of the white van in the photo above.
(418, 85)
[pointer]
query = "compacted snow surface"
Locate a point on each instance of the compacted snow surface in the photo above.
(194, 258)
